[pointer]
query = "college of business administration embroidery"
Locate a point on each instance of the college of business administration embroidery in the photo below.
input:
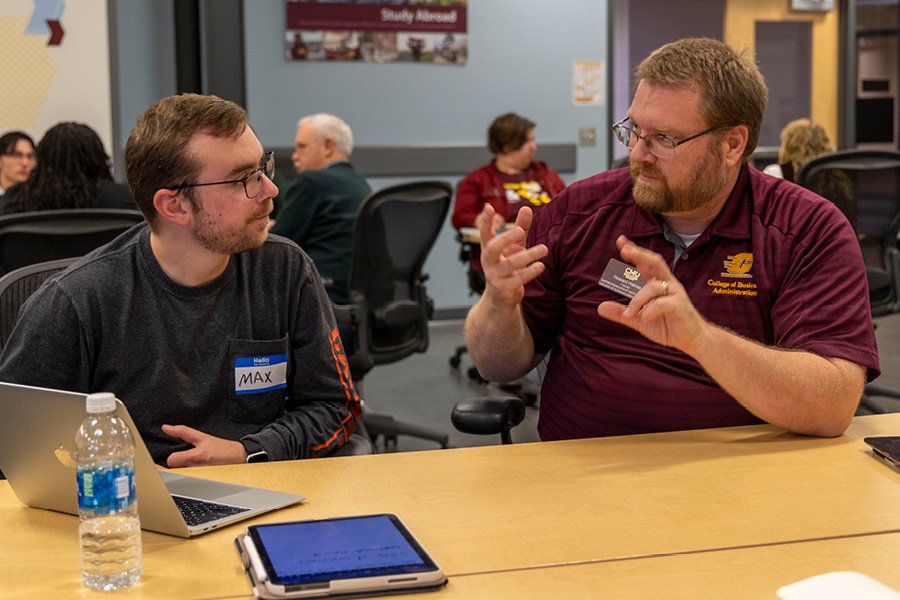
(257, 374)
(737, 268)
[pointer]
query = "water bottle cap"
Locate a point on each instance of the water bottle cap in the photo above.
(101, 402)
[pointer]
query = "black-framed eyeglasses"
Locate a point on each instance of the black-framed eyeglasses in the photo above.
(658, 144)
(252, 181)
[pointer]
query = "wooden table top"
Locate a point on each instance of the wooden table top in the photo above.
(737, 574)
(526, 506)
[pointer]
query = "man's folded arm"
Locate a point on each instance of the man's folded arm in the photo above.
(794, 389)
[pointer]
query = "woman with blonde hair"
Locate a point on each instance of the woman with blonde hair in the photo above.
(801, 141)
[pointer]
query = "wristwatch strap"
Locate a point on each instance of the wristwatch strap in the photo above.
(255, 452)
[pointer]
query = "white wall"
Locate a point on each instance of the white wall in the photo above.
(43, 84)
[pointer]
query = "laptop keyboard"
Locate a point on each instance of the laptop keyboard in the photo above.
(198, 512)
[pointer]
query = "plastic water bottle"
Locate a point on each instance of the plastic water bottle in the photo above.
(110, 529)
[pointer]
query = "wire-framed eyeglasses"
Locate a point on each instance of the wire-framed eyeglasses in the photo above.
(658, 144)
(252, 181)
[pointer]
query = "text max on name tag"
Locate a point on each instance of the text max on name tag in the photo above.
(257, 374)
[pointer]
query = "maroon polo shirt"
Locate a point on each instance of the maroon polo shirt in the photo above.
(779, 265)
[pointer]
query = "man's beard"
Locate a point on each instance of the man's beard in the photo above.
(708, 179)
(214, 238)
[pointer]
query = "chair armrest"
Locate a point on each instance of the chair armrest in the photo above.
(353, 329)
(398, 314)
(357, 445)
(486, 416)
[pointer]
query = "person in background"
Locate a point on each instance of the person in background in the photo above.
(689, 291)
(73, 171)
(320, 207)
(510, 181)
(16, 159)
(218, 337)
(801, 141)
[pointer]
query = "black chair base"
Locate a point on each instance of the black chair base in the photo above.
(472, 372)
(387, 428)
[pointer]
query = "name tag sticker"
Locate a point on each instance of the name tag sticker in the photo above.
(257, 374)
(621, 278)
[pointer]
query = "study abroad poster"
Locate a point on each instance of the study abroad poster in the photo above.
(427, 31)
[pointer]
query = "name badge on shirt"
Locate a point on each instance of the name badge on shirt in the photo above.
(621, 278)
(257, 374)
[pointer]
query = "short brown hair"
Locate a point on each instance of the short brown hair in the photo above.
(733, 91)
(508, 132)
(156, 153)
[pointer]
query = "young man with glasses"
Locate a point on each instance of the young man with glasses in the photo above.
(743, 298)
(219, 338)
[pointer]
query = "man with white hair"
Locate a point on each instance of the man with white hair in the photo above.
(321, 205)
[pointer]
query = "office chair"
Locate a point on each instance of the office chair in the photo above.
(16, 287)
(491, 415)
(387, 317)
(488, 416)
(865, 185)
(34, 237)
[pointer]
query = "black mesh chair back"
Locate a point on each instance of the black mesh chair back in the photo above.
(394, 231)
(387, 317)
(18, 285)
(40, 236)
(865, 185)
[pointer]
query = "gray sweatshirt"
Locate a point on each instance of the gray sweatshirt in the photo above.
(253, 354)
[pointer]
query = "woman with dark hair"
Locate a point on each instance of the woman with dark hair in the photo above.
(72, 172)
(16, 159)
(512, 180)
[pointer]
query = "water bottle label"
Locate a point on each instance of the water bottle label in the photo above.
(106, 489)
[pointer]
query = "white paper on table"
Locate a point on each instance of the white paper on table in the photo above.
(839, 585)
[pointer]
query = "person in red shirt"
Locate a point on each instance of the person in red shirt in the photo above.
(509, 182)
(753, 305)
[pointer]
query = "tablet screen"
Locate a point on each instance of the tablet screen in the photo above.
(344, 548)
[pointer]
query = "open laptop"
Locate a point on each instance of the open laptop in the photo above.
(37, 446)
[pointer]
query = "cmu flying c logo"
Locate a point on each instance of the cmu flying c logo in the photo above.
(738, 266)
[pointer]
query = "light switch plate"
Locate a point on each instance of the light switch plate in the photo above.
(587, 136)
(812, 5)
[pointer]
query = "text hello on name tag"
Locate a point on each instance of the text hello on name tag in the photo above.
(257, 374)
(621, 278)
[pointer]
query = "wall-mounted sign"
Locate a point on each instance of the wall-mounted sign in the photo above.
(588, 83)
(380, 32)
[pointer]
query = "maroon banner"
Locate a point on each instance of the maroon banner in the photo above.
(376, 17)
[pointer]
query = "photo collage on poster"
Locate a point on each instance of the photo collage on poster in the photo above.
(426, 31)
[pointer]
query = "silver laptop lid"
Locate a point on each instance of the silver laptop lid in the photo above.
(37, 446)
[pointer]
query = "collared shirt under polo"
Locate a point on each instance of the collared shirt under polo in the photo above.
(779, 265)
